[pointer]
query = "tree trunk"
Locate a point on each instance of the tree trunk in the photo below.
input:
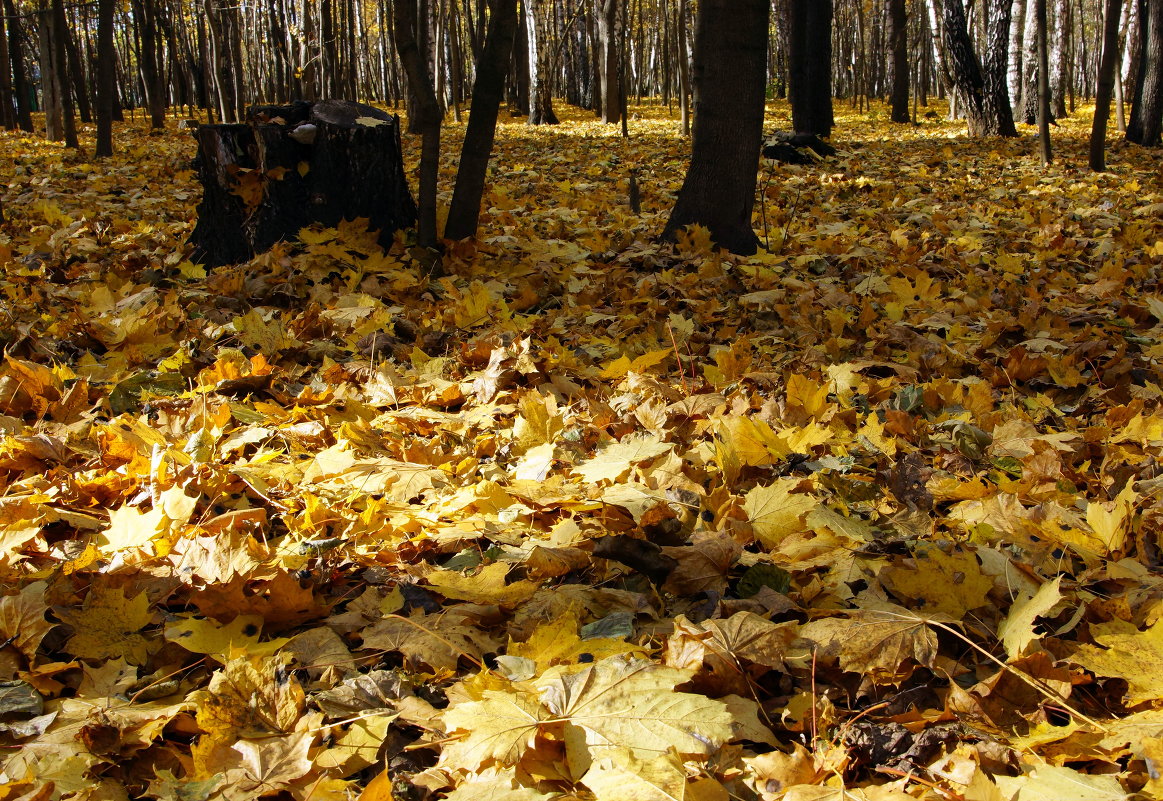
(1059, 82)
(427, 116)
(1106, 84)
(7, 101)
(995, 68)
(987, 108)
(145, 14)
(1015, 73)
(810, 57)
(21, 89)
(684, 78)
(1146, 121)
(730, 81)
(1043, 83)
(1028, 105)
(76, 73)
(899, 36)
(294, 165)
(540, 62)
(487, 93)
(606, 14)
(106, 78)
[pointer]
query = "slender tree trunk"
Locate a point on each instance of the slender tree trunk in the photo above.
(145, 14)
(21, 87)
(1017, 51)
(427, 114)
(7, 101)
(730, 81)
(487, 93)
(1043, 83)
(810, 44)
(1057, 49)
(899, 37)
(1028, 112)
(1146, 124)
(540, 60)
(80, 90)
(106, 78)
(684, 79)
(1106, 84)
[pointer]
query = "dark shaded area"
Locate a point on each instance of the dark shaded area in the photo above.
(290, 166)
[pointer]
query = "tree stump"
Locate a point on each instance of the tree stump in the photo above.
(290, 166)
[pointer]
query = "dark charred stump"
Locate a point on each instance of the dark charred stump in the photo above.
(290, 166)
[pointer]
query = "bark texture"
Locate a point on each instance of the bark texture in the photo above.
(987, 105)
(810, 72)
(487, 93)
(1106, 84)
(291, 166)
(899, 44)
(730, 59)
(1146, 124)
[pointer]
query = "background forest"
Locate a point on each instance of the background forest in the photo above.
(671, 473)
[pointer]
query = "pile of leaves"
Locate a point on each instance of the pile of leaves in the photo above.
(872, 515)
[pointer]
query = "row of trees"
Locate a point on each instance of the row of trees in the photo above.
(222, 55)
(998, 61)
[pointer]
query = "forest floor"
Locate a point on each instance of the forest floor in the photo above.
(872, 515)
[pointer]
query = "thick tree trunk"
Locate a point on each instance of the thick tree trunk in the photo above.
(810, 58)
(294, 165)
(987, 109)
(996, 97)
(1146, 125)
(606, 14)
(1106, 84)
(487, 93)
(730, 80)
(899, 37)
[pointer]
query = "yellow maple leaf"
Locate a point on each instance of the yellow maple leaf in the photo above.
(108, 625)
(775, 511)
(951, 584)
(486, 586)
(615, 460)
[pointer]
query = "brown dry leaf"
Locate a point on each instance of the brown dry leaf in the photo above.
(438, 641)
(22, 619)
